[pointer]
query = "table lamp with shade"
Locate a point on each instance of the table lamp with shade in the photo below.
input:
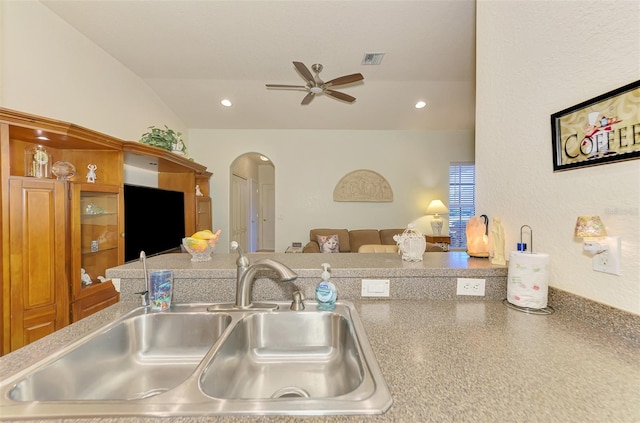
(436, 208)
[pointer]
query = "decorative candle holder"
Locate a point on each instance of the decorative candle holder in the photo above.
(411, 244)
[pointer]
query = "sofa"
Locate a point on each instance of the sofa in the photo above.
(350, 241)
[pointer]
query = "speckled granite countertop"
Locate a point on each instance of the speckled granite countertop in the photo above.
(309, 264)
(471, 360)
(215, 280)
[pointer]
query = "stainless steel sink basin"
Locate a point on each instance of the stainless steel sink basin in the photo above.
(283, 354)
(188, 361)
(140, 356)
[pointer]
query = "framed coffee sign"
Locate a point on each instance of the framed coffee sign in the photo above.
(602, 130)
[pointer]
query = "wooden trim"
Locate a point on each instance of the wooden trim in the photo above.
(60, 134)
(5, 289)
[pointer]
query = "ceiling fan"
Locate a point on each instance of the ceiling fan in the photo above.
(316, 86)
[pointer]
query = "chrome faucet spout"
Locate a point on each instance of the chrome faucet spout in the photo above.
(144, 295)
(245, 280)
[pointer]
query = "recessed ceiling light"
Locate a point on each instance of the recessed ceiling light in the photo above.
(420, 105)
(226, 102)
(264, 159)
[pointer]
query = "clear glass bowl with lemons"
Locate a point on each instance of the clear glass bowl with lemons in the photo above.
(201, 244)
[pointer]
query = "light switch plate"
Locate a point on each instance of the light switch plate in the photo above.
(375, 287)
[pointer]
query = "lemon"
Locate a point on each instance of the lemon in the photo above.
(205, 234)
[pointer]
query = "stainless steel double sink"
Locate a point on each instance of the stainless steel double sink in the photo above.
(189, 361)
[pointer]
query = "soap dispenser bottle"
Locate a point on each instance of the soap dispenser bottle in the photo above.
(326, 292)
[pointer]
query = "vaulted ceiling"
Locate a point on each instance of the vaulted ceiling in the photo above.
(195, 53)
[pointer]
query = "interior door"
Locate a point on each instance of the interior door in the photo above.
(253, 216)
(239, 211)
(268, 211)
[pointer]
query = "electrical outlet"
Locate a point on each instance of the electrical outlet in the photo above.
(608, 261)
(468, 286)
(375, 288)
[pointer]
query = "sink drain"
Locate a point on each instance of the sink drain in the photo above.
(290, 392)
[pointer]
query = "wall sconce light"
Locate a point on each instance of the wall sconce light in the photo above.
(437, 207)
(604, 249)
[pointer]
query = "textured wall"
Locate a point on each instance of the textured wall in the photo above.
(535, 58)
(309, 164)
(49, 69)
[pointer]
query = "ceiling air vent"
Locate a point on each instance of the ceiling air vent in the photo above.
(372, 58)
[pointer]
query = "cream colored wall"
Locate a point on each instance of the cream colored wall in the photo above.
(47, 68)
(309, 163)
(535, 58)
(50, 69)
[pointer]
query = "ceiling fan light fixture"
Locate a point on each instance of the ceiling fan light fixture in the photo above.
(314, 85)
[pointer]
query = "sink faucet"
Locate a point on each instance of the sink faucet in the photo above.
(246, 273)
(144, 295)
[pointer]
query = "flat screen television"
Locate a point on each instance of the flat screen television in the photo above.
(153, 221)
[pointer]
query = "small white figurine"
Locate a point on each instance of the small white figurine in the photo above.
(91, 175)
(198, 192)
(84, 276)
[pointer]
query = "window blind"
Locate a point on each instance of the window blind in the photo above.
(462, 184)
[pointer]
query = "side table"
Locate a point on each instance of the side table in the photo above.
(441, 240)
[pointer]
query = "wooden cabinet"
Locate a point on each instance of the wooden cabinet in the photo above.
(53, 229)
(40, 215)
(203, 213)
(174, 172)
(38, 288)
(97, 242)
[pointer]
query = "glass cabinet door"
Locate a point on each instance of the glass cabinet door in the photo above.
(203, 213)
(96, 236)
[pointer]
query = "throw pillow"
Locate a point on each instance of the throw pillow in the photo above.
(328, 243)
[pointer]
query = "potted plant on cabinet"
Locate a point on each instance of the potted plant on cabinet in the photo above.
(167, 139)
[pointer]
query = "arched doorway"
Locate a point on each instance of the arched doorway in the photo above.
(252, 202)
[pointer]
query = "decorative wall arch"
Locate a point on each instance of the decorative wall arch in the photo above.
(363, 185)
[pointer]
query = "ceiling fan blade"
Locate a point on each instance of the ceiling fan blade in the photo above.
(340, 96)
(307, 98)
(306, 73)
(347, 79)
(298, 87)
